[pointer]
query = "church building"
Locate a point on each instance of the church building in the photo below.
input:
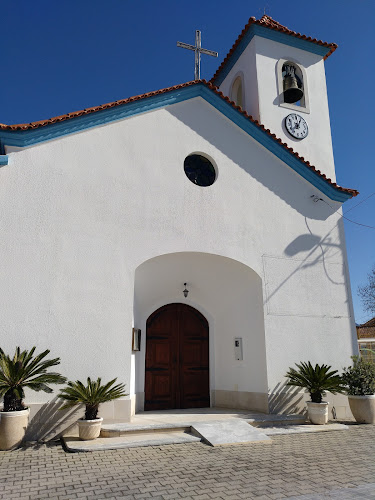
(186, 241)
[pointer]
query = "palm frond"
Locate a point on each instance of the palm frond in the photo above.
(26, 370)
(92, 394)
(316, 380)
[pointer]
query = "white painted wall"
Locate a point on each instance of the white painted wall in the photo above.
(246, 68)
(258, 63)
(80, 214)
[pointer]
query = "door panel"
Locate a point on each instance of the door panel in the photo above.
(177, 366)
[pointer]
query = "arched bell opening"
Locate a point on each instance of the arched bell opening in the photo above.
(292, 85)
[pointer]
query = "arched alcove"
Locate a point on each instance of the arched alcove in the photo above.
(237, 91)
(229, 295)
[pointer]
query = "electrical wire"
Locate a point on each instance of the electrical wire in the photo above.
(346, 218)
(355, 206)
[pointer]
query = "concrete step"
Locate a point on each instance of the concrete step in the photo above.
(258, 420)
(131, 440)
(214, 433)
(124, 429)
(269, 420)
(228, 432)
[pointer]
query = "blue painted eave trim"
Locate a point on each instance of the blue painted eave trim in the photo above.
(23, 138)
(29, 137)
(276, 36)
(274, 147)
(3, 160)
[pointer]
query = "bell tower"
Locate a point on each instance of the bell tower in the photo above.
(278, 77)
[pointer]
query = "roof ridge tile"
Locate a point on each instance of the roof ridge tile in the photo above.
(267, 22)
(266, 19)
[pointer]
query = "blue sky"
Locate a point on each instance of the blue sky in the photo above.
(59, 57)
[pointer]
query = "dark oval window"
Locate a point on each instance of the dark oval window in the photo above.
(199, 170)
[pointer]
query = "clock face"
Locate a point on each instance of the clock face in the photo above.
(296, 126)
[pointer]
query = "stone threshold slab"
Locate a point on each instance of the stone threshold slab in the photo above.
(74, 444)
(228, 432)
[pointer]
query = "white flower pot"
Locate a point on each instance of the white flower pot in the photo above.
(13, 425)
(317, 412)
(89, 429)
(363, 408)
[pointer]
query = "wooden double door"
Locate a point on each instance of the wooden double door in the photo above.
(177, 359)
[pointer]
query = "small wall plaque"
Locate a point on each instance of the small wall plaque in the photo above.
(238, 349)
(136, 342)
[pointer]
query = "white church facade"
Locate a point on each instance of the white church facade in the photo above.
(203, 216)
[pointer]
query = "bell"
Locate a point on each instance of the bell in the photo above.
(292, 93)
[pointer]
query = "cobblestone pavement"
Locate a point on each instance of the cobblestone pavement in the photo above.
(333, 464)
(362, 492)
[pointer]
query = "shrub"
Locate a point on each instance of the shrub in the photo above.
(360, 378)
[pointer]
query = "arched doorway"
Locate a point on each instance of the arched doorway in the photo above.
(177, 359)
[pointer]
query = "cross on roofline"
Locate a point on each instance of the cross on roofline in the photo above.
(198, 51)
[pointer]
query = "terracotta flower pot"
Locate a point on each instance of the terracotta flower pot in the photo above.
(317, 412)
(363, 408)
(89, 429)
(13, 425)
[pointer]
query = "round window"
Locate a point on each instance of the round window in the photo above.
(199, 170)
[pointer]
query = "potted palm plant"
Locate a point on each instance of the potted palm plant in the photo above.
(91, 395)
(316, 380)
(360, 384)
(17, 372)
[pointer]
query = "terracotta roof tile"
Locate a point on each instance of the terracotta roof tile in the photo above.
(87, 111)
(268, 22)
(370, 323)
(68, 116)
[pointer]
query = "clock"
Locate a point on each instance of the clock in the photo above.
(296, 126)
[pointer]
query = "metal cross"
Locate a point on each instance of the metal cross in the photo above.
(198, 51)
